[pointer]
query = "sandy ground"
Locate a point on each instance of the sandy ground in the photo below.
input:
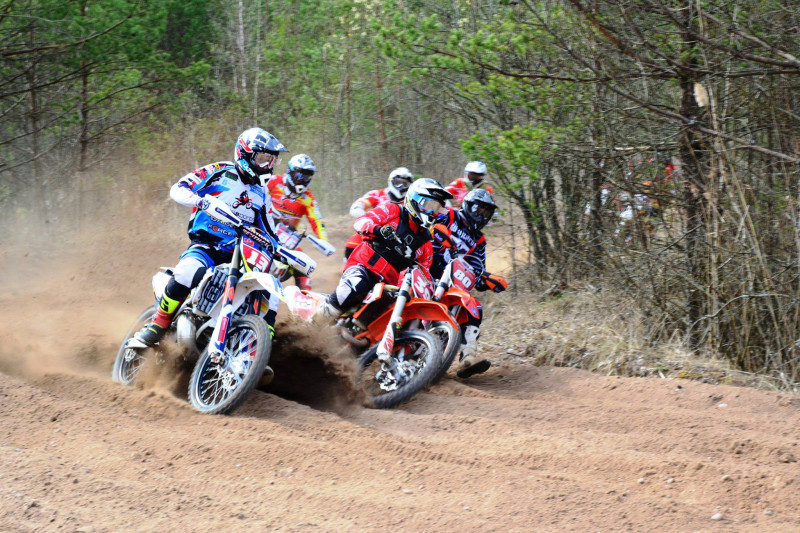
(521, 448)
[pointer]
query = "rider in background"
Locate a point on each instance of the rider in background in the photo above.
(458, 234)
(474, 174)
(398, 183)
(235, 188)
(395, 237)
(291, 201)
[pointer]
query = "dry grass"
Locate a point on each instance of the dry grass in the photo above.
(598, 331)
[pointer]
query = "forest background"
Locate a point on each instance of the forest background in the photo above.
(640, 148)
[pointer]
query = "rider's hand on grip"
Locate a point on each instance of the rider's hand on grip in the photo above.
(492, 282)
(388, 233)
(219, 210)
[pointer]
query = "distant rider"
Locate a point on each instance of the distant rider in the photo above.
(399, 181)
(234, 187)
(458, 234)
(473, 178)
(395, 237)
(292, 200)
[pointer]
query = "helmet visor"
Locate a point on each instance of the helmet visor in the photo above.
(481, 212)
(264, 159)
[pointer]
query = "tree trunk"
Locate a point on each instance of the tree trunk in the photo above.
(694, 161)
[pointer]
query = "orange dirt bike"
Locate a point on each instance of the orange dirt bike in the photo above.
(453, 290)
(222, 321)
(397, 357)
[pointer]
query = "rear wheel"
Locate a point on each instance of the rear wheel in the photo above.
(220, 387)
(414, 361)
(129, 361)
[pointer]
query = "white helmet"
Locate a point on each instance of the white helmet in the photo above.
(425, 200)
(399, 181)
(475, 171)
(299, 172)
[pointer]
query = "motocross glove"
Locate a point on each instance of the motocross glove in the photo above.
(388, 234)
(219, 210)
(491, 282)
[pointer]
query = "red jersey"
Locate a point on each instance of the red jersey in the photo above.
(387, 265)
(461, 186)
(370, 200)
(290, 211)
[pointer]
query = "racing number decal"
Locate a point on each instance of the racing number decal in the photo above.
(259, 261)
(463, 278)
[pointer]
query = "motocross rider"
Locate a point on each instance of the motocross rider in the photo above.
(292, 200)
(474, 174)
(399, 181)
(458, 233)
(395, 236)
(234, 188)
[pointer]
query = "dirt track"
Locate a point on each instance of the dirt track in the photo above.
(520, 448)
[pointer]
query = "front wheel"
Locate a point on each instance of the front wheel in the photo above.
(218, 388)
(449, 338)
(415, 360)
(129, 361)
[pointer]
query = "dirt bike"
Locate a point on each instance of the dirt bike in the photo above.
(290, 239)
(453, 290)
(222, 321)
(397, 357)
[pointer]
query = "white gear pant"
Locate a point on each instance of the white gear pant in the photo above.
(470, 345)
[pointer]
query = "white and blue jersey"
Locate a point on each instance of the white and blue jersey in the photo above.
(221, 180)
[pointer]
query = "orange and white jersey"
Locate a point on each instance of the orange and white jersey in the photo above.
(291, 211)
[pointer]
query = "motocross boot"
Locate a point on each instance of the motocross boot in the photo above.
(152, 332)
(471, 363)
(303, 282)
(269, 374)
(326, 312)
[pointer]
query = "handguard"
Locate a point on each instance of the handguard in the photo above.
(492, 282)
(299, 261)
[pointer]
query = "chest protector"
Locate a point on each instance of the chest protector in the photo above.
(385, 259)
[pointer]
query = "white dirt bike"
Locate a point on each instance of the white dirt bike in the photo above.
(221, 322)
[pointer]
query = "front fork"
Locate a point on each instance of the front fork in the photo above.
(220, 335)
(386, 344)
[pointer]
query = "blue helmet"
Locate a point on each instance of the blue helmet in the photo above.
(425, 199)
(256, 153)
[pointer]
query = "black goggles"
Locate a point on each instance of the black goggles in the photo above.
(401, 182)
(482, 212)
(301, 178)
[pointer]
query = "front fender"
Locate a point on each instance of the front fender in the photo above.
(462, 299)
(415, 308)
